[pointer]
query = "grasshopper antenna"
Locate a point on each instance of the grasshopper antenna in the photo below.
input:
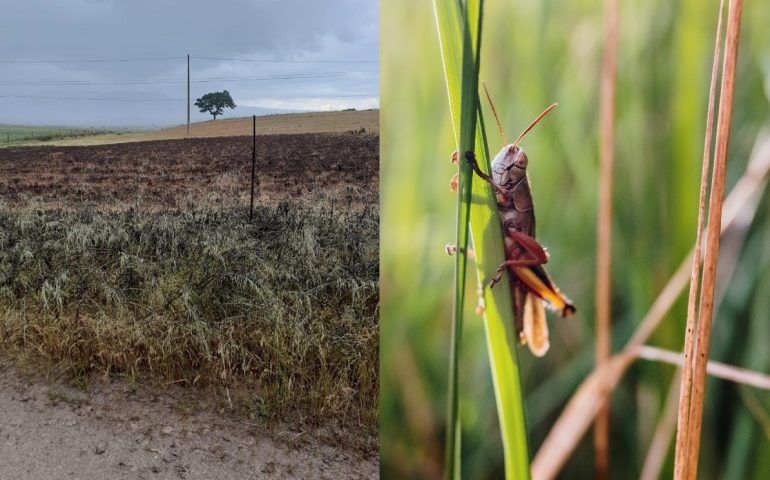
(531, 125)
(494, 112)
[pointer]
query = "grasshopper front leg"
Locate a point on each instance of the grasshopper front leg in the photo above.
(471, 158)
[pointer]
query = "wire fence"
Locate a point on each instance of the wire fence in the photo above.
(11, 134)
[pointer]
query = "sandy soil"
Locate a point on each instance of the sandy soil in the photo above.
(319, 122)
(119, 431)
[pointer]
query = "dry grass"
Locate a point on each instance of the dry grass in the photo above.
(286, 304)
(573, 422)
(590, 400)
(714, 369)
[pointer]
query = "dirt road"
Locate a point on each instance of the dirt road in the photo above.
(122, 431)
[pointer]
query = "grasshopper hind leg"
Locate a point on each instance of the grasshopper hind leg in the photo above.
(519, 296)
(524, 252)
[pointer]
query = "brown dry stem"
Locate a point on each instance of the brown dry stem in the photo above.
(688, 435)
(689, 343)
(714, 369)
(604, 228)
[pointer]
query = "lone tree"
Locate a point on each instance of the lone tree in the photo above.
(215, 102)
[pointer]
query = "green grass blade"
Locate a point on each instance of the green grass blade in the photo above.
(498, 323)
(449, 26)
(460, 50)
(458, 30)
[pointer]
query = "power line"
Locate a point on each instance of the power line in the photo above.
(98, 60)
(47, 97)
(78, 83)
(336, 96)
(148, 59)
(270, 78)
(283, 61)
(35, 97)
(298, 75)
(171, 82)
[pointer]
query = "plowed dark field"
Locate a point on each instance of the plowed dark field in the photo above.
(184, 173)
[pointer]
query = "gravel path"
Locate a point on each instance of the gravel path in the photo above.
(117, 431)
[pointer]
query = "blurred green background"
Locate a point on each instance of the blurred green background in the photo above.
(535, 53)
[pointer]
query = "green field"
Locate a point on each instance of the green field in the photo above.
(22, 134)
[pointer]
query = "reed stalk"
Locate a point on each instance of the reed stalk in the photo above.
(604, 226)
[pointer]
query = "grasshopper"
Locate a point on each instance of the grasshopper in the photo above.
(531, 286)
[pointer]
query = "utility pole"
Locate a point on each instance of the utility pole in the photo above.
(253, 162)
(188, 94)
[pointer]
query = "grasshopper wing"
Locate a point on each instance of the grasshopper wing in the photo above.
(535, 327)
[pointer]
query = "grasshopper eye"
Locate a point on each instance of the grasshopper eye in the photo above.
(519, 157)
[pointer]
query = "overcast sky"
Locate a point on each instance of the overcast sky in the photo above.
(313, 55)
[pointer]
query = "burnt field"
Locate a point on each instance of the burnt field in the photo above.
(138, 260)
(180, 173)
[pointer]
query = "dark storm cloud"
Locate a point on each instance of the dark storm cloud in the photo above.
(69, 30)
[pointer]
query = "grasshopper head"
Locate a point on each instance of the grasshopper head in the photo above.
(510, 165)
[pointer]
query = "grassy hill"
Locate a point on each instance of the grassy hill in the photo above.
(313, 122)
